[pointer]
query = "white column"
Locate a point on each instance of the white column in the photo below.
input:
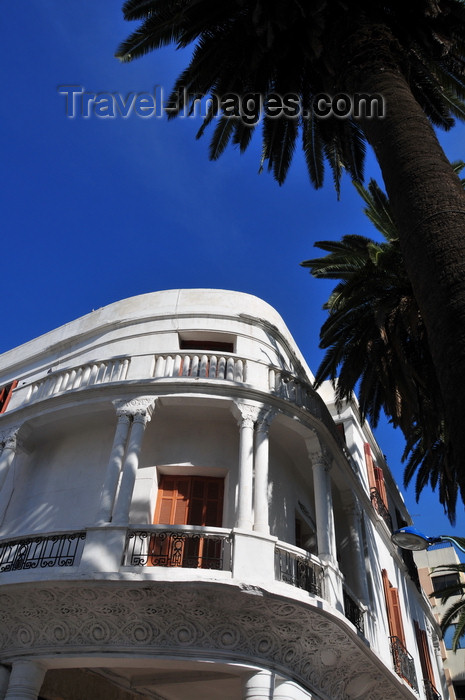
(25, 680)
(259, 686)
(262, 456)
(113, 472)
(4, 679)
(325, 530)
(354, 513)
(246, 423)
(289, 690)
(131, 464)
(7, 456)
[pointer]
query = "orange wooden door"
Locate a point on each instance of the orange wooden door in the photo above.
(187, 500)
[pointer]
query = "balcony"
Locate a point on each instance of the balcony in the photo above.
(430, 691)
(184, 546)
(380, 507)
(352, 610)
(404, 664)
(173, 367)
(298, 569)
(41, 551)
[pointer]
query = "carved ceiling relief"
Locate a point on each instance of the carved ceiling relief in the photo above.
(235, 624)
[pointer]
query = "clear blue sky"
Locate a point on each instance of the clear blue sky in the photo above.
(96, 210)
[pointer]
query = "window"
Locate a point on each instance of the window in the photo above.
(396, 627)
(448, 635)
(340, 429)
(5, 395)
(425, 658)
(444, 581)
(459, 689)
(187, 500)
(209, 341)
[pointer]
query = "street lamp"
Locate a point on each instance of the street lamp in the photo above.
(413, 539)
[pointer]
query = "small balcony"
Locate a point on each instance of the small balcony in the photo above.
(188, 547)
(380, 507)
(404, 664)
(430, 691)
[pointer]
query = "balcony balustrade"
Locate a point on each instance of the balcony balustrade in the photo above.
(430, 691)
(353, 611)
(41, 551)
(380, 507)
(206, 366)
(299, 569)
(404, 664)
(183, 546)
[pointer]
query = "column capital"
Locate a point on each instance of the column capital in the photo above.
(9, 438)
(138, 408)
(265, 419)
(246, 414)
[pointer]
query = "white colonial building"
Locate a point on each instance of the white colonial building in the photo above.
(182, 517)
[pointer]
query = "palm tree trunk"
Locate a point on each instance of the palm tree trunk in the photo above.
(429, 206)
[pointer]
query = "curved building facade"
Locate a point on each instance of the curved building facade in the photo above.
(183, 517)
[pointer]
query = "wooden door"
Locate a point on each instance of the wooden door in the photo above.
(187, 500)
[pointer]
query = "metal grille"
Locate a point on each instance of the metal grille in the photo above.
(353, 612)
(430, 691)
(189, 550)
(403, 663)
(298, 571)
(34, 552)
(380, 508)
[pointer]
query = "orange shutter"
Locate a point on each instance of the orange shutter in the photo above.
(5, 395)
(425, 658)
(369, 464)
(396, 627)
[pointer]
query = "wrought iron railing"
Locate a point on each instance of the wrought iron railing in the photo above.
(299, 570)
(430, 691)
(353, 611)
(41, 552)
(380, 507)
(404, 664)
(191, 548)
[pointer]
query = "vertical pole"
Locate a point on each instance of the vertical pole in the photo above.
(25, 680)
(131, 463)
(246, 424)
(259, 686)
(7, 456)
(115, 464)
(262, 456)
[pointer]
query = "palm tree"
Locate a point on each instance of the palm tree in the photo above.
(411, 54)
(375, 339)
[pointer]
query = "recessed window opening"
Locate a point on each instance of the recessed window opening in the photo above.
(211, 342)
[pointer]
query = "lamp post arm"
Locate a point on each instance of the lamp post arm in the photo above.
(459, 542)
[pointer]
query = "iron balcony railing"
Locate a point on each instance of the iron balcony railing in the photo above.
(404, 664)
(186, 546)
(430, 691)
(299, 569)
(353, 611)
(41, 552)
(380, 507)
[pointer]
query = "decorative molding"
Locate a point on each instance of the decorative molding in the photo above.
(140, 406)
(248, 414)
(206, 620)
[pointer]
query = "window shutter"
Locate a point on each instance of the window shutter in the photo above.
(396, 627)
(425, 658)
(370, 466)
